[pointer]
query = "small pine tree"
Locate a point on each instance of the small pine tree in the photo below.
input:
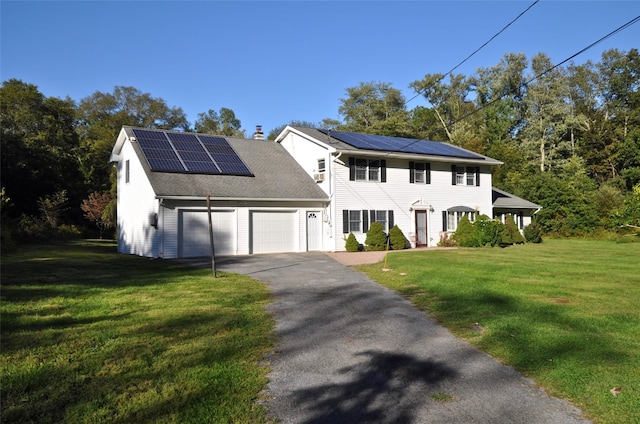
(352, 244)
(533, 233)
(464, 235)
(397, 239)
(511, 234)
(376, 238)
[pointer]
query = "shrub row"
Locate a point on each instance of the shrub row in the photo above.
(378, 240)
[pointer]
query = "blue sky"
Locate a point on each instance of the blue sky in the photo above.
(273, 62)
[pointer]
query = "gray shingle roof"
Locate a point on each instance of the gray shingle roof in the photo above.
(277, 176)
(502, 199)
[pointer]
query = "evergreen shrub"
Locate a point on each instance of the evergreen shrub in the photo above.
(533, 233)
(464, 235)
(487, 231)
(352, 244)
(376, 238)
(397, 239)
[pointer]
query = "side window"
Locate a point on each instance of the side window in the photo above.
(127, 173)
(321, 166)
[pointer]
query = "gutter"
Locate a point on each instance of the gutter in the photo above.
(238, 199)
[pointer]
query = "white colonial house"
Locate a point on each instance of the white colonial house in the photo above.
(304, 192)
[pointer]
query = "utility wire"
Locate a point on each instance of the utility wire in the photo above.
(524, 84)
(480, 48)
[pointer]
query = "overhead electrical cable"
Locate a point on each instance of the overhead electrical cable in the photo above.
(481, 47)
(524, 84)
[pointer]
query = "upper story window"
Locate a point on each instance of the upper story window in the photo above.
(127, 172)
(469, 175)
(367, 170)
(419, 173)
(321, 165)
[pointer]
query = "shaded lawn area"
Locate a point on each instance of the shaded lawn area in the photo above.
(565, 313)
(92, 336)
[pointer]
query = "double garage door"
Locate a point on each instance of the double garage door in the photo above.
(269, 232)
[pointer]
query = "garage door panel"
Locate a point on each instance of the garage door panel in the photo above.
(194, 233)
(273, 232)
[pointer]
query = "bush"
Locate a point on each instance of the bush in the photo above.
(352, 244)
(464, 235)
(376, 238)
(397, 239)
(533, 233)
(487, 231)
(511, 234)
(446, 241)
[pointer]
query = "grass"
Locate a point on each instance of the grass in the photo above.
(565, 313)
(89, 336)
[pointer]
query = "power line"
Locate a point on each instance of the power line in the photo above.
(481, 47)
(524, 84)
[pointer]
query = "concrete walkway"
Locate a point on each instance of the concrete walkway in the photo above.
(352, 351)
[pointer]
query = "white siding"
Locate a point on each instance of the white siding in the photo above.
(136, 208)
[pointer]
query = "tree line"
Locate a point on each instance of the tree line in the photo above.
(569, 138)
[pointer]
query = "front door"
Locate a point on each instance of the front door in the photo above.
(314, 231)
(421, 228)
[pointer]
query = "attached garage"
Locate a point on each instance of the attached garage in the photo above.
(194, 233)
(273, 231)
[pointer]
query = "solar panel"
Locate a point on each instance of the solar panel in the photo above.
(224, 156)
(167, 151)
(193, 154)
(159, 153)
(400, 144)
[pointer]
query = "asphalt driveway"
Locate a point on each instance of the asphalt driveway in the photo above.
(352, 351)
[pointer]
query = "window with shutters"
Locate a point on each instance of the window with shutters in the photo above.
(358, 221)
(467, 176)
(367, 170)
(419, 173)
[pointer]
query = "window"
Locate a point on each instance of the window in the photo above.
(357, 221)
(367, 170)
(126, 171)
(321, 166)
(419, 173)
(354, 222)
(451, 218)
(468, 176)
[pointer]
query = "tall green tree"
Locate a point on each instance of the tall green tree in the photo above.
(102, 115)
(223, 122)
(374, 107)
(39, 146)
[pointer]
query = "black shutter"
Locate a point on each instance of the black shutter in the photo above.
(453, 175)
(372, 215)
(477, 175)
(365, 221)
(412, 167)
(352, 169)
(427, 171)
(444, 220)
(391, 223)
(383, 171)
(345, 221)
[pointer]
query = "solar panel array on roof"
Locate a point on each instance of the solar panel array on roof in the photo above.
(400, 144)
(189, 153)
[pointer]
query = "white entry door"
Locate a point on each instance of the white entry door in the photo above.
(273, 232)
(314, 230)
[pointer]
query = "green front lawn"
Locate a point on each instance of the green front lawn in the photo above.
(89, 336)
(566, 313)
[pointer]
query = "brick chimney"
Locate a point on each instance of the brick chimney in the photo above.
(258, 135)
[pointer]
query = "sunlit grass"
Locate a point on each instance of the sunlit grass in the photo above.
(92, 336)
(565, 312)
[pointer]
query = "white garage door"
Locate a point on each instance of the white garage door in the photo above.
(273, 232)
(194, 233)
